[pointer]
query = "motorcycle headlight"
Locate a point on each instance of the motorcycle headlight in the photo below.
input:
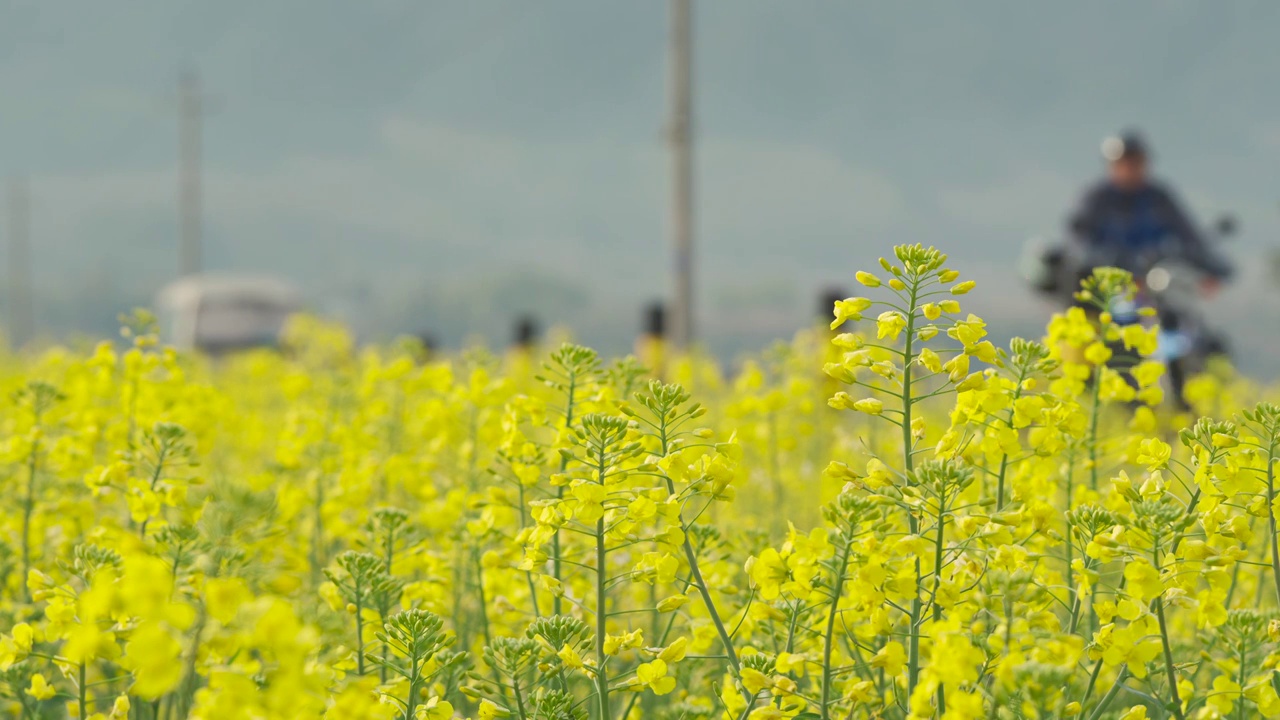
(1158, 279)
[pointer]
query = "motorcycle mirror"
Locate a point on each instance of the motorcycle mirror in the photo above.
(1226, 226)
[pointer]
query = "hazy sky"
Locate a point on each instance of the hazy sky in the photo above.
(445, 163)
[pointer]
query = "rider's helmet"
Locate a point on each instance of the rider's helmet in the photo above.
(1125, 146)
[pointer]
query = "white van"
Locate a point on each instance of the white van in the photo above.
(217, 314)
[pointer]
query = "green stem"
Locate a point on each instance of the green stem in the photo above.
(28, 509)
(711, 609)
(1240, 677)
(556, 600)
(416, 661)
(81, 690)
(474, 456)
(937, 582)
(655, 620)
(1111, 694)
(317, 528)
(698, 581)
(515, 686)
(1168, 661)
(1004, 466)
(1004, 459)
(1093, 682)
(830, 635)
(1071, 573)
(155, 478)
(528, 576)
(602, 600)
(1008, 641)
(1097, 666)
(1093, 428)
(484, 609)
(391, 546)
(662, 642)
(602, 678)
(913, 655)
(386, 653)
(134, 386)
(1075, 608)
(359, 630)
(1271, 517)
(191, 678)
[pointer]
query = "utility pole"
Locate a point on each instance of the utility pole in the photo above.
(21, 323)
(191, 112)
(680, 135)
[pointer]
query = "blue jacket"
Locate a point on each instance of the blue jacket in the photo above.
(1133, 229)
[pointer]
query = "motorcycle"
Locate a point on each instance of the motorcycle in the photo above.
(1170, 294)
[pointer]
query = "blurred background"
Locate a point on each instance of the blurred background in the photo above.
(417, 166)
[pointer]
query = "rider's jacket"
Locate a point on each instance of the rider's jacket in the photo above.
(1130, 228)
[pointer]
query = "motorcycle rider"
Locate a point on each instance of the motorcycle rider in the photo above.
(1129, 220)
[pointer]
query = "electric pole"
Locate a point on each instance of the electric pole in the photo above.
(191, 112)
(21, 323)
(680, 135)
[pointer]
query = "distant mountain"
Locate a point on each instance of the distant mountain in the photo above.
(411, 163)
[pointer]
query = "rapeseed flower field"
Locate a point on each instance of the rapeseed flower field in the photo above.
(893, 519)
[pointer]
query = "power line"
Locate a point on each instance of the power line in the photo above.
(192, 108)
(21, 321)
(680, 134)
